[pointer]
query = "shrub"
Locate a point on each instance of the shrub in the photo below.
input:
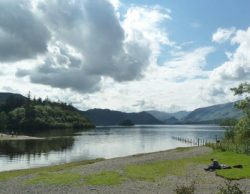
(230, 188)
(185, 189)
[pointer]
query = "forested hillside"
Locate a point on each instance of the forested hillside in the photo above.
(18, 113)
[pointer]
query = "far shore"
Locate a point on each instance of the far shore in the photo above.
(6, 137)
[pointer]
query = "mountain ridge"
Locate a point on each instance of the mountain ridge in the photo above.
(214, 112)
(205, 115)
(111, 117)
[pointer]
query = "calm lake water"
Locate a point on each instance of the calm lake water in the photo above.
(102, 142)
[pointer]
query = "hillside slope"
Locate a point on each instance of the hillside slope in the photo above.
(213, 113)
(110, 117)
(38, 114)
(165, 116)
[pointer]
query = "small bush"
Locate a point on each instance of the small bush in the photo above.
(230, 188)
(185, 189)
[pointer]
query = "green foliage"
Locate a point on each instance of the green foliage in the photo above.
(230, 188)
(37, 114)
(12, 102)
(240, 132)
(228, 122)
(185, 189)
(241, 89)
(231, 146)
(104, 178)
(3, 121)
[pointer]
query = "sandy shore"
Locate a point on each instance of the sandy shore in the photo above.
(5, 137)
(206, 182)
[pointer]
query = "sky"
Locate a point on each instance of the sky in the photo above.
(125, 55)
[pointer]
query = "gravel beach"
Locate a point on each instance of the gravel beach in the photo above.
(206, 182)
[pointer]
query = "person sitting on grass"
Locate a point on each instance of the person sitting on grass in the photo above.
(215, 165)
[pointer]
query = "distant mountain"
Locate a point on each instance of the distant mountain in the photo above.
(206, 115)
(168, 117)
(172, 120)
(159, 115)
(213, 114)
(110, 117)
(180, 115)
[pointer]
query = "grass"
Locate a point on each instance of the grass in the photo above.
(56, 179)
(104, 178)
(231, 158)
(5, 176)
(156, 170)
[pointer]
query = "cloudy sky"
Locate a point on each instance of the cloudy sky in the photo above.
(123, 54)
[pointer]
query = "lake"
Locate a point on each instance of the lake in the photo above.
(102, 142)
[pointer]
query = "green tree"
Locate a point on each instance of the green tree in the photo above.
(12, 102)
(3, 121)
(242, 127)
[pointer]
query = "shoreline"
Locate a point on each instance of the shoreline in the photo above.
(147, 173)
(143, 157)
(6, 137)
(95, 160)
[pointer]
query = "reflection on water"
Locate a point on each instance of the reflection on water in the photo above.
(52, 133)
(31, 147)
(103, 142)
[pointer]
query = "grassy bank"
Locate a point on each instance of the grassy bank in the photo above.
(67, 174)
(155, 170)
(45, 171)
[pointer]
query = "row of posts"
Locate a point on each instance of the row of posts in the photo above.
(193, 141)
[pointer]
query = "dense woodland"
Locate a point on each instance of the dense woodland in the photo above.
(240, 132)
(237, 136)
(18, 114)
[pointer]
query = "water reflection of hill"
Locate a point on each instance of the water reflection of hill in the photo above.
(53, 133)
(32, 147)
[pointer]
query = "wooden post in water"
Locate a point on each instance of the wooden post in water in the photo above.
(198, 142)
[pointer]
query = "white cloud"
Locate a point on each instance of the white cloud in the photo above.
(115, 3)
(238, 65)
(187, 65)
(92, 50)
(144, 25)
(103, 45)
(234, 71)
(223, 34)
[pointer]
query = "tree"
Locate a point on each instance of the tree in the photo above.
(3, 121)
(242, 127)
(13, 102)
